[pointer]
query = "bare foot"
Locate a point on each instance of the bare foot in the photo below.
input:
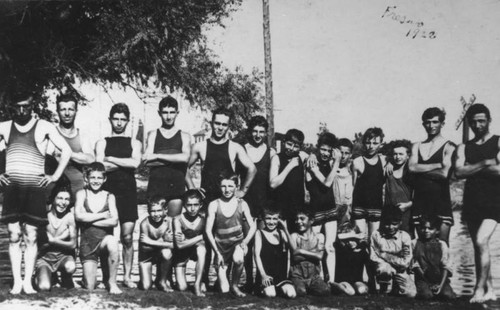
(203, 287)
(28, 288)
(165, 287)
(129, 283)
(490, 296)
(478, 297)
(198, 291)
(236, 291)
(16, 289)
(113, 289)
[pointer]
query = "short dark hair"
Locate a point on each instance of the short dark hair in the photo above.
(95, 166)
(345, 142)
(391, 214)
(192, 193)
(156, 200)
(222, 111)
(66, 98)
(306, 210)
(372, 133)
(257, 120)
(295, 135)
(327, 138)
(59, 188)
(433, 112)
(400, 143)
(434, 221)
(119, 108)
(228, 175)
(168, 102)
(477, 108)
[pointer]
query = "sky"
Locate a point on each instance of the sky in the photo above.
(363, 63)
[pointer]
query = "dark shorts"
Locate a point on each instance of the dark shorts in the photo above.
(126, 206)
(370, 214)
(25, 204)
(90, 243)
(181, 257)
(325, 216)
(54, 261)
(149, 255)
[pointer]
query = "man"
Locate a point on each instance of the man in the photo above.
(478, 162)
(430, 162)
(121, 155)
(218, 154)
(24, 183)
(167, 153)
(83, 153)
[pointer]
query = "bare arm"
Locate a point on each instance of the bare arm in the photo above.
(70, 243)
(251, 222)
(258, 261)
(212, 207)
(357, 169)
(242, 156)
(276, 178)
(131, 162)
(112, 219)
(495, 168)
(193, 158)
(86, 156)
(62, 146)
(180, 238)
(146, 240)
(464, 170)
(83, 216)
(415, 167)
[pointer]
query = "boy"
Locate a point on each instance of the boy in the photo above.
(319, 179)
(155, 245)
(430, 262)
(343, 182)
(308, 249)
(189, 228)
(57, 250)
(95, 209)
(369, 178)
(271, 256)
(224, 229)
(398, 184)
(390, 253)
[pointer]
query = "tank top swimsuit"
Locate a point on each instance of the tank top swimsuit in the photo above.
(216, 160)
(368, 189)
(322, 198)
(274, 259)
(258, 193)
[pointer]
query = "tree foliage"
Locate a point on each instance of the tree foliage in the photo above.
(51, 44)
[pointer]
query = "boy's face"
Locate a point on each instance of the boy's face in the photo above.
(192, 206)
(346, 153)
(156, 213)
(168, 116)
(303, 222)
(96, 179)
(390, 228)
(62, 201)
(228, 188)
(259, 135)
(119, 122)
(271, 221)
(426, 231)
(400, 155)
(292, 148)
(372, 145)
(325, 152)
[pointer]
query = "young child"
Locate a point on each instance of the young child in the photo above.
(390, 253)
(271, 253)
(308, 249)
(320, 179)
(224, 230)
(155, 245)
(189, 228)
(369, 178)
(352, 258)
(430, 262)
(95, 210)
(56, 251)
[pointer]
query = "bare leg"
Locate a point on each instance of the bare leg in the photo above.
(201, 252)
(165, 265)
(238, 264)
(67, 271)
(145, 275)
(127, 229)
(444, 233)
(30, 234)
(174, 207)
(180, 276)
(481, 246)
(363, 227)
(110, 245)
(89, 274)
(330, 237)
(15, 256)
(372, 226)
(223, 282)
(43, 278)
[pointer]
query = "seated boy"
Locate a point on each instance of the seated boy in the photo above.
(189, 228)
(57, 250)
(272, 256)
(95, 210)
(352, 258)
(308, 249)
(155, 245)
(224, 229)
(390, 253)
(430, 262)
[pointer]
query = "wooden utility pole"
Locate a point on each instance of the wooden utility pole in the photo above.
(462, 120)
(268, 71)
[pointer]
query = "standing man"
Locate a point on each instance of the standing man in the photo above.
(25, 183)
(219, 154)
(167, 153)
(83, 153)
(478, 162)
(121, 155)
(430, 161)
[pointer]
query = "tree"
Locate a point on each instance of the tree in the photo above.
(52, 44)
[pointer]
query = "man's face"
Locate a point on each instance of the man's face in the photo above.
(156, 213)
(480, 124)
(67, 112)
(22, 111)
(168, 116)
(400, 155)
(325, 152)
(192, 206)
(119, 122)
(62, 201)
(372, 145)
(346, 153)
(433, 126)
(220, 126)
(259, 135)
(303, 222)
(228, 188)
(292, 148)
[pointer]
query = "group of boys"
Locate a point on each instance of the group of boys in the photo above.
(361, 216)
